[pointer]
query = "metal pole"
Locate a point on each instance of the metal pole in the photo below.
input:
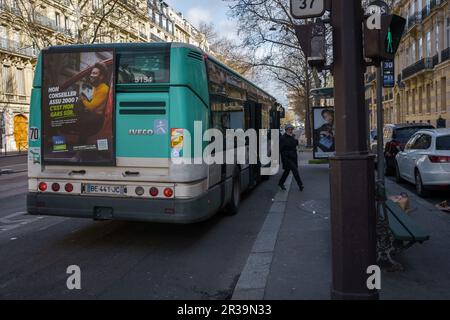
(380, 125)
(353, 210)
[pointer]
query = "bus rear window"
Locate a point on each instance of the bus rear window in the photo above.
(151, 66)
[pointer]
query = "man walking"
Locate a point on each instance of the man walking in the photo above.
(288, 150)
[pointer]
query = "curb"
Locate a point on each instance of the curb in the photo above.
(13, 155)
(10, 171)
(253, 279)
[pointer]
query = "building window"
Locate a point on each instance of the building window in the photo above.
(57, 19)
(444, 94)
(20, 82)
(420, 48)
(413, 54)
(407, 102)
(8, 81)
(420, 100)
(428, 98)
(436, 97)
(428, 44)
(437, 38)
(95, 4)
(448, 32)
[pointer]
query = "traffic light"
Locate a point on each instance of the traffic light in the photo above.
(382, 44)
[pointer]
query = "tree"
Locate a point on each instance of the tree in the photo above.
(85, 17)
(226, 50)
(267, 30)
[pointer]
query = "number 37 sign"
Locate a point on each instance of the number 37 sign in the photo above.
(302, 9)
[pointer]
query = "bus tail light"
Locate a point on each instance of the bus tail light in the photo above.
(55, 187)
(68, 187)
(42, 186)
(154, 192)
(168, 192)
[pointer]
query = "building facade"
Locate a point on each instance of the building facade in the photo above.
(422, 67)
(28, 26)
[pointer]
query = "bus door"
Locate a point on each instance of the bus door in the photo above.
(142, 126)
(253, 110)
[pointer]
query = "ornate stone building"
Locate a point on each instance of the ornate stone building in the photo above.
(422, 67)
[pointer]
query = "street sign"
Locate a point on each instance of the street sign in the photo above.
(304, 32)
(378, 7)
(388, 74)
(302, 9)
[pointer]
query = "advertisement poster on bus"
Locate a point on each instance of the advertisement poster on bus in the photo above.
(323, 137)
(77, 107)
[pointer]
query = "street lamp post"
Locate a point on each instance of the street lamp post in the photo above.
(353, 214)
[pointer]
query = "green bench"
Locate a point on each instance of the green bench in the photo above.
(406, 232)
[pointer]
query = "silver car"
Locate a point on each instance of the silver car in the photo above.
(425, 160)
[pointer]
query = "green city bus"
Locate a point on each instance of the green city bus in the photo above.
(107, 119)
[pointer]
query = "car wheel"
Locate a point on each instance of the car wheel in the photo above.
(420, 190)
(398, 177)
(232, 207)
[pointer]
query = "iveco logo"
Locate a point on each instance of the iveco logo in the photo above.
(140, 132)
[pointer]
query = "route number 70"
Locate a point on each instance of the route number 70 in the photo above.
(302, 9)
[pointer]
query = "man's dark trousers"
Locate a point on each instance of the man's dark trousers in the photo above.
(288, 167)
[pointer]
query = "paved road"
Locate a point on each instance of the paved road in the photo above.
(122, 259)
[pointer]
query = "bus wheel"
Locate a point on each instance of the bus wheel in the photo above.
(232, 207)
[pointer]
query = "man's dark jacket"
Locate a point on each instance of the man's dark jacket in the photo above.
(288, 150)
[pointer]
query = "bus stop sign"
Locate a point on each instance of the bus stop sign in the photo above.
(302, 9)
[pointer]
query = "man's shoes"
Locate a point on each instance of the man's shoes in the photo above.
(301, 188)
(282, 187)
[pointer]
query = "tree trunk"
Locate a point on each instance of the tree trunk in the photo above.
(308, 127)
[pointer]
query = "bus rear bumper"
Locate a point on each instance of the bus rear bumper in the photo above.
(126, 209)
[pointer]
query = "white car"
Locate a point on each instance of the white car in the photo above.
(425, 161)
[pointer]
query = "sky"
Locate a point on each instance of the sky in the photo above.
(208, 11)
(217, 12)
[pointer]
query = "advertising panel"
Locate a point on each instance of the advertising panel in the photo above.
(77, 107)
(323, 138)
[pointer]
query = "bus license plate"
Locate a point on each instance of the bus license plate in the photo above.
(104, 189)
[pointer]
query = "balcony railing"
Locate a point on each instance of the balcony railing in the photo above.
(143, 34)
(14, 46)
(436, 59)
(155, 38)
(426, 12)
(423, 64)
(13, 10)
(50, 23)
(371, 77)
(435, 3)
(445, 54)
(414, 19)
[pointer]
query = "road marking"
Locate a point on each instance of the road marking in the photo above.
(10, 224)
(6, 220)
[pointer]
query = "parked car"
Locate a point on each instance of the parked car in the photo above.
(395, 137)
(425, 161)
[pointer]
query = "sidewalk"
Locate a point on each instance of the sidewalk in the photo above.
(291, 258)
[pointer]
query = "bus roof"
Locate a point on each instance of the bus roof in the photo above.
(144, 45)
